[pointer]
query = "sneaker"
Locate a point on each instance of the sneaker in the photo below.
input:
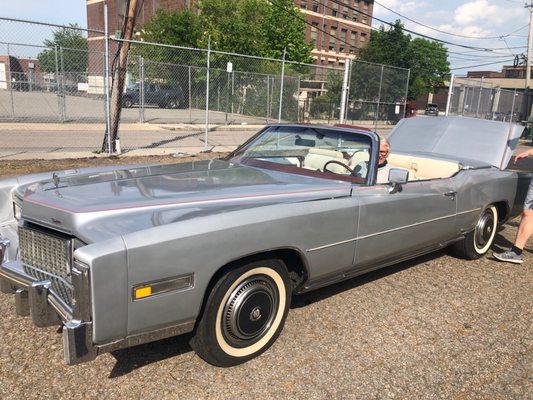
(509, 256)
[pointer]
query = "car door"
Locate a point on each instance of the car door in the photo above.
(395, 225)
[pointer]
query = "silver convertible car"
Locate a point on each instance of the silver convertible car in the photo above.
(120, 256)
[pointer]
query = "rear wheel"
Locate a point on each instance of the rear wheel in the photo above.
(478, 242)
(244, 313)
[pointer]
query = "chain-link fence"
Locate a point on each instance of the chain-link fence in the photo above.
(479, 98)
(52, 79)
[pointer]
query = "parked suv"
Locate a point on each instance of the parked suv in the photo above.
(154, 94)
(432, 109)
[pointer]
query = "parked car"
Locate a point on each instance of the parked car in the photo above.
(432, 109)
(154, 94)
(125, 255)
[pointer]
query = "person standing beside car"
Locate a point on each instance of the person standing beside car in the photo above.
(525, 230)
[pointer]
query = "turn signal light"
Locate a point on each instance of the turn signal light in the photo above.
(142, 292)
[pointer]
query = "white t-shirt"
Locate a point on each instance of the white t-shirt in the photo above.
(383, 174)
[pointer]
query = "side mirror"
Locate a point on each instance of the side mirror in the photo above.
(397, 178)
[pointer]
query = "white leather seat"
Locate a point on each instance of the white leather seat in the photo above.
(317, 158)
(421, 168)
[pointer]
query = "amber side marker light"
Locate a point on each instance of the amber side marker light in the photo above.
(149, 289)
(142, 292)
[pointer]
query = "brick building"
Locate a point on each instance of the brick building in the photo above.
(335, 30)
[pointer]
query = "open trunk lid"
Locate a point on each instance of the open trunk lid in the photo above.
(457, 137)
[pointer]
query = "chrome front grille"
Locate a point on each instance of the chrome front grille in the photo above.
(47, 257)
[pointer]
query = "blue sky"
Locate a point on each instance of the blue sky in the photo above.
(476, 18)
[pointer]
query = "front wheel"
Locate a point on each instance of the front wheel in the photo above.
(127, 103)
(477, 243)
(244, 313)
(173, 103)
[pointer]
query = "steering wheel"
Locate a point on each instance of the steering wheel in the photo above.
(339, 163)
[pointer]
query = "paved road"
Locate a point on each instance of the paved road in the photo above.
(45, 107)
(37, 143)
(433, 327)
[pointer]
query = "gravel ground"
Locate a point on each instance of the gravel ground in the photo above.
(433, 327)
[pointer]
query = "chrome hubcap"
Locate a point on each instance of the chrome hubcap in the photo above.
(484, 229)
(250, 311)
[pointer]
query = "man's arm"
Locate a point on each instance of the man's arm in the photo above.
(525, 154)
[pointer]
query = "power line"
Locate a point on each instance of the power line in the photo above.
(480, 65)
(488, 49)
(448, 33)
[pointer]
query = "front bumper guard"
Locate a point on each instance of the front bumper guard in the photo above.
(36, 298)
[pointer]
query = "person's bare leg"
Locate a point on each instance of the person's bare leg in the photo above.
(525, 230)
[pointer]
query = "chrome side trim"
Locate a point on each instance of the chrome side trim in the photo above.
(331, 245)
(390, 230)
(146, 337)
(469, 211)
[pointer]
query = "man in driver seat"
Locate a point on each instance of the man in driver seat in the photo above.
(383, 165)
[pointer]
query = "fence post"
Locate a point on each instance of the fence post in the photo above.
(268, 98)
(406, 93)
(479, 97)
(512, 107)
(190, 96)
(344, 90)
(298, 99)
(56, 60)
(63, 99)
(141, 87)
(106, 82)
(10, 82)
(232, 89)
(281, 85)
(450, 94)
(379, 99)
(207, 94)
(465, 99)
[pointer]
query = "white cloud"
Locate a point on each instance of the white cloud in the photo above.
(485, 12)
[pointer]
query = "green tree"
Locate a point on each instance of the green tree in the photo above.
(71, 48)
(283, 27)
(427, 60)
(179, 28)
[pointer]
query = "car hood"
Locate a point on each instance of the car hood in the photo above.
(459, 138)
(102, 205)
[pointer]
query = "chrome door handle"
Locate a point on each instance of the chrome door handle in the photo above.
(451, 193)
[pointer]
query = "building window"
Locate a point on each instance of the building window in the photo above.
(332, 38)
(314, 34)
(345, 12)
(344, 40)
(353, 39)
(363, 37)
(334, 9)
(315, 6)
(303, 4)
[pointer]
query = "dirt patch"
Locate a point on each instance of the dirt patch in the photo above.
(10, 168)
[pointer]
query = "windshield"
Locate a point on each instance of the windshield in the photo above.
(329, 153)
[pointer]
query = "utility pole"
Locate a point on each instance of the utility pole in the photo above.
(119, 75)
(529, 44)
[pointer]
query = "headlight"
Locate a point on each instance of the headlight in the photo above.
(17, 211)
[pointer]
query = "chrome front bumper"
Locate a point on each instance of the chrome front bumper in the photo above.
(36, 298)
